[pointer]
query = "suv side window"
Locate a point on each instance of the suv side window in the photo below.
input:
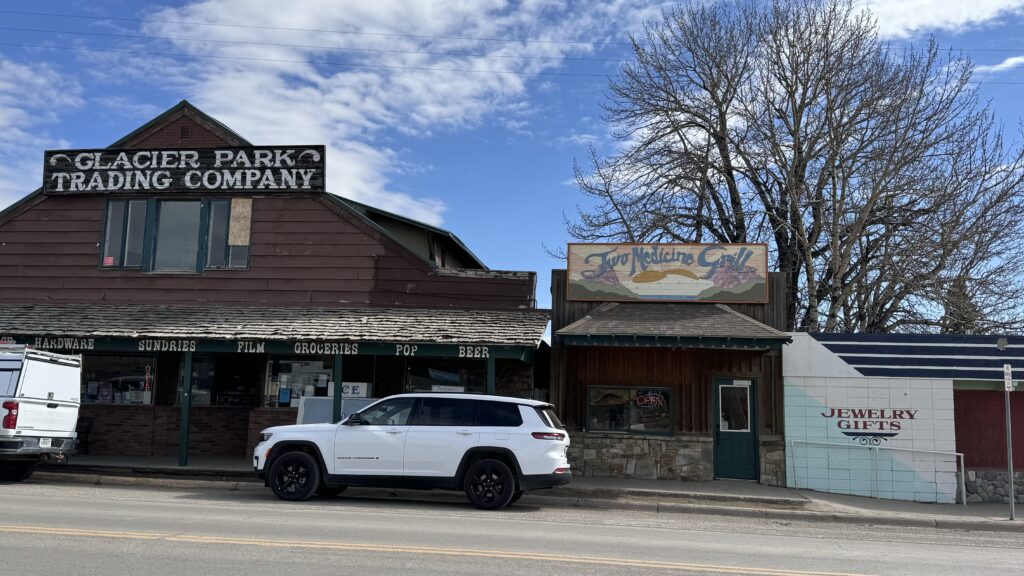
(502, 414)
(389, 413)
(446, 412)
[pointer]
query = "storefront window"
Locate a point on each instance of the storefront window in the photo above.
(291, 378)
(619, 409)
(442, 375)
(118, 379)
(225, 380)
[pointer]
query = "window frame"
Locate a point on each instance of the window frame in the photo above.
(122, 250)
(669, 398)
(150, 236)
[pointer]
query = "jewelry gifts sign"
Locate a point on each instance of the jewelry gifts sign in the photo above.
(668, 272)
(240, 169)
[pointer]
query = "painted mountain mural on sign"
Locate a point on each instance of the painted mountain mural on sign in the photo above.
(668, 272)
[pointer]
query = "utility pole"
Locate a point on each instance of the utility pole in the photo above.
(1008, 387)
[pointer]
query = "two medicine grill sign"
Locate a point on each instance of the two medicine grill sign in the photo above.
(266, 169)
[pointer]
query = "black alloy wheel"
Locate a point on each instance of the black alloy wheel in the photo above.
(294, 476)
(490, 484)
(327, 491)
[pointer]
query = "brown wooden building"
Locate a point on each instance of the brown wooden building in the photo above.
(671, 390)
(209, 281)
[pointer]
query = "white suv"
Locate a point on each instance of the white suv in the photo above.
(492, 447)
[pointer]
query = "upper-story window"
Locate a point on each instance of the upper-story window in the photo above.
(177, 235)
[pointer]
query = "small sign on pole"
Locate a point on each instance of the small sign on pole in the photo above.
(1008, 383)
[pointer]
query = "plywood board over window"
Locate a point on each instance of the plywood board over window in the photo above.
(240, 228)
(239, 232)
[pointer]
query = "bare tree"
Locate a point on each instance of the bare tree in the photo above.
(883, 186)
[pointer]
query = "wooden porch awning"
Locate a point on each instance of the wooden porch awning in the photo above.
(652, 324)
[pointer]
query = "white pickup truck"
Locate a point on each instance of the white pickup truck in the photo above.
(39, 400)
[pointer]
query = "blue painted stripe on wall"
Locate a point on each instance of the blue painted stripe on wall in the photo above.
(936, 373)
(924, 362)
(908, 350)
(918, 338)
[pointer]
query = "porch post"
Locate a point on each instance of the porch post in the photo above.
(185, 383)
(490, 375)
(338, 359)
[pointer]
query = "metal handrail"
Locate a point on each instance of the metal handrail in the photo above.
(959, 457)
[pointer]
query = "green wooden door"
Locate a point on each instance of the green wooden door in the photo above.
(735, 429)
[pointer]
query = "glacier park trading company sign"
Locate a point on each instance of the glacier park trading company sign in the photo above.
(252, 169)
(668, 272)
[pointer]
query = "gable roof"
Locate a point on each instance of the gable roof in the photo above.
(185, 108)
(670, 325)
(369, 211)
(360, 210)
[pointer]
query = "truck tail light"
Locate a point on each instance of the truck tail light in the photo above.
(549, 436)
(11, 418)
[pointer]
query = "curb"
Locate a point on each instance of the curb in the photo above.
(589, 501)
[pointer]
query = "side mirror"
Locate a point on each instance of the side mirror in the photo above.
(355, 420)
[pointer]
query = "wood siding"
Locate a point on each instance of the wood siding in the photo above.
(688, 372)
(305, 250)
(981, 428)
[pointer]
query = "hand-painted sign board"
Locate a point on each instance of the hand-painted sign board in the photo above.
(265, 169)
(736, 273)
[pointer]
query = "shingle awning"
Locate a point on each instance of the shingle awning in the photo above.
(647, 324)
(220, 327)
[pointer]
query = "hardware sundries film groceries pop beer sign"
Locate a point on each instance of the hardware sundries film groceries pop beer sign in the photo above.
(243, 169)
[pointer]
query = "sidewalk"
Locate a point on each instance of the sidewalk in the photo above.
(717, 497)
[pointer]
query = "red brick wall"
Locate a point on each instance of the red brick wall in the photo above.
(154, 430)
(260, 418)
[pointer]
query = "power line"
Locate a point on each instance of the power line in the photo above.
(309, 46)
(326, 31)
(318, 63)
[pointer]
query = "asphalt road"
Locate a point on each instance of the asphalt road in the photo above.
(56, 529)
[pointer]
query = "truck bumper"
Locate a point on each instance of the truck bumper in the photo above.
(29, 447)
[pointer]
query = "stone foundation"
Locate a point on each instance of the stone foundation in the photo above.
(992, 486)
(653, 457)
(773, 462)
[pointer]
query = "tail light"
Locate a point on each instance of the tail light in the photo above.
(11, 419)
(562, 470)
(549, 436)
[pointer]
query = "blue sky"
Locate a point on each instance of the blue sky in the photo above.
(467, 114)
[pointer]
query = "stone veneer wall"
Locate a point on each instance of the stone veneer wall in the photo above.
(773, 461)
(992, 486)
(655, 457)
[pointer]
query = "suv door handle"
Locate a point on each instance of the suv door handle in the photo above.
(394, 431)
(52, 405)
(465, 432)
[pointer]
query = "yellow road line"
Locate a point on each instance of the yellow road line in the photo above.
(352, 547)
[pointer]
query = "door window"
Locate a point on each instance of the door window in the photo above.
(734, 407)
(389, 413)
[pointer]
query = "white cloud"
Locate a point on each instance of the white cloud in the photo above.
(32, 96)
(420, 68)
(1007, 64)
(903, 18)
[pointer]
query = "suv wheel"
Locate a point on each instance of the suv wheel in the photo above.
(490, 484)
(16, 471)
(294, 476)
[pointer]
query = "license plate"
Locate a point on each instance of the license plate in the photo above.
(45, 442)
